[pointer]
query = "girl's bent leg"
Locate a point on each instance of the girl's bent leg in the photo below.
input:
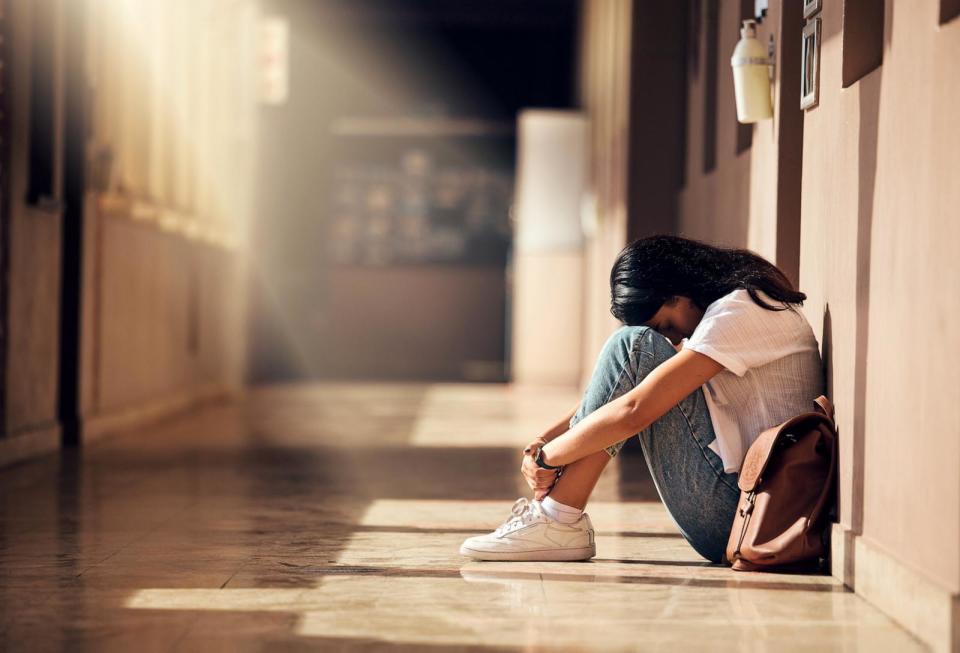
(576, 484)
(688, 475)
(613, 375)
(698, 496)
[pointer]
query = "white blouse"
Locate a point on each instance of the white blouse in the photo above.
(773, 370)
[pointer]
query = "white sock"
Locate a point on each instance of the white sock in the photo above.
(560, 512)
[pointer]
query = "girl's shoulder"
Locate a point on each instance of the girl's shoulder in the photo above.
(738, 305)
(741, 299)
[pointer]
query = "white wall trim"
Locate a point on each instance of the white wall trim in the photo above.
(97, 426)
(925, 609)
(45, 438)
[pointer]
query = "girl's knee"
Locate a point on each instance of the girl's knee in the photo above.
(660, 346)
(626, 339)
(621, 344)
(628, 355)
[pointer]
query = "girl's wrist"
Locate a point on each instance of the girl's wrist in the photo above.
(546, 437)
(551, 455)
(534, 447)
(542, 462)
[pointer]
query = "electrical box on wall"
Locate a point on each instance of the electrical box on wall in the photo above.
(274, 58)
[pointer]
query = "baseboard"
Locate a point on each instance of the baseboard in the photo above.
(94, 427)
(927, 610)
(842, 561)
(29, 443)
(46, 438)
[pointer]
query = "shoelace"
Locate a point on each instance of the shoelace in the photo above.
(523, 512)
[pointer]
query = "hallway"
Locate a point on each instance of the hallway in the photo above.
(328, 517)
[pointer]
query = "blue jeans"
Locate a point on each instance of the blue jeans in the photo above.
(688, 475)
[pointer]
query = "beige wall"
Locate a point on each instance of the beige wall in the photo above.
(167, 171)
(168, 207)
(714, 205)
(879, 255)
(751, 198)
(165, 320)
(546, 334)
(605, 83)
(161, 315)
(633, 92)
(438, 321)
(866, 184)
(546, 273)
(33, 311)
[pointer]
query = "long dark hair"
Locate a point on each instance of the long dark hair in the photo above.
(649, 271)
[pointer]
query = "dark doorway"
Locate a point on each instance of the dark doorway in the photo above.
(75, 136)
(4, 210)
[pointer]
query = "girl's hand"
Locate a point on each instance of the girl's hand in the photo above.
(540, 480)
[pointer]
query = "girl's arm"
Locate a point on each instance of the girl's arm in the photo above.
(560, 427)
(662, 389)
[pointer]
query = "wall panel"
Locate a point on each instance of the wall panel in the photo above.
(878, 245)
(34, 232)
(168, 206)
(606, 43)
(714, 203)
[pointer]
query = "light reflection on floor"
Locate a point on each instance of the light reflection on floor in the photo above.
(323, 522)
(407, 586)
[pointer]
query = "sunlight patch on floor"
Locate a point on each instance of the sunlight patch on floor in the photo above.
(456, 415)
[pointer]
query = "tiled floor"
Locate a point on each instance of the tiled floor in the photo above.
(329, 517)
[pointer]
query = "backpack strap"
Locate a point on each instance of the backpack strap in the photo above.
(825, 406)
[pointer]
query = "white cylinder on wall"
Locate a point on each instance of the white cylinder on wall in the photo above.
(547, 301)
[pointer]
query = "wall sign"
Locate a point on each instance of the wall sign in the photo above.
(274, 48)
(810, 62)
(420, 201)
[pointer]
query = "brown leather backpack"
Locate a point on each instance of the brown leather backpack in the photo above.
(785, 481)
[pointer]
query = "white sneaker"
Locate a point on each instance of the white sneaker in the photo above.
(532, 535)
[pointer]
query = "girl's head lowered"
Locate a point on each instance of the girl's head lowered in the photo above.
(666, 282)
